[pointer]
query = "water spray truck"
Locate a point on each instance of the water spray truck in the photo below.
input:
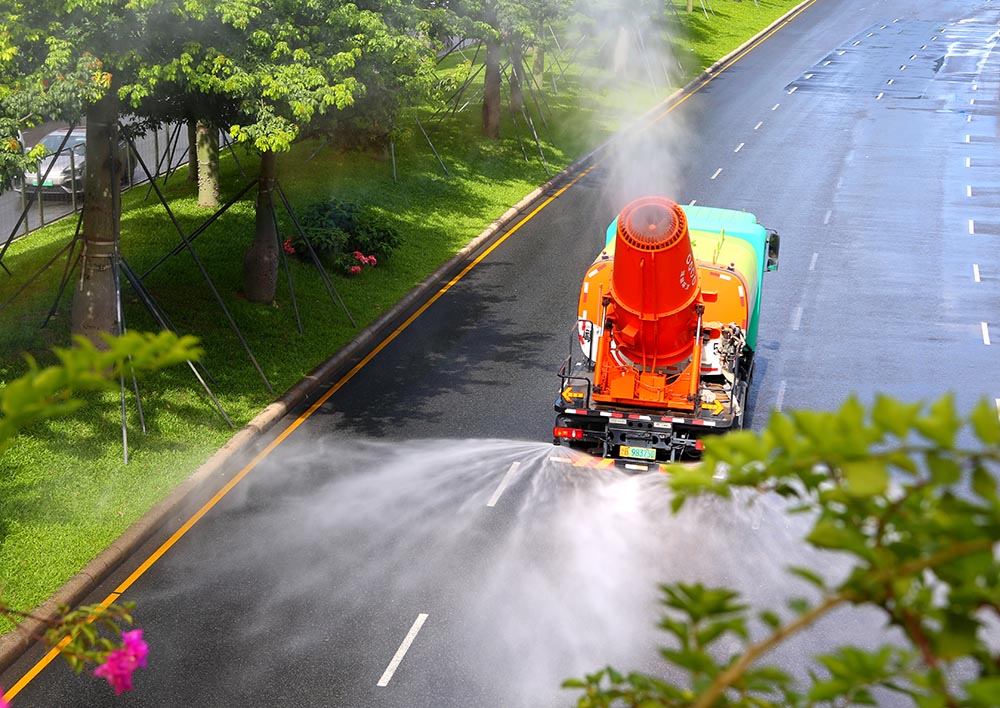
(663, 350)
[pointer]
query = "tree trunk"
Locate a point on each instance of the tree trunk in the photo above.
(538, 65)
(690, 5)
(192, 151)
(95, 299)
(260, 264)
(517, 77)
(208, 165)
(491, 91)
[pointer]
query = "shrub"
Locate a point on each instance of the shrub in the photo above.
(344, 235)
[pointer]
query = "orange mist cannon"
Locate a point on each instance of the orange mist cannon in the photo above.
(649, 351)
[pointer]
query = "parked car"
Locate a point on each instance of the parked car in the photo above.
(66, 175)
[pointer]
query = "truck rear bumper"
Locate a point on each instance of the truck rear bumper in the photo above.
(633, 437)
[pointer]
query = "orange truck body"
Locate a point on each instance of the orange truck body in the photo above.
(666, 328)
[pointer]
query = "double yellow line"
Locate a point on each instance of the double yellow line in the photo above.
(180, 532)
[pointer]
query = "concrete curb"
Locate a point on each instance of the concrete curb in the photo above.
(212, 475)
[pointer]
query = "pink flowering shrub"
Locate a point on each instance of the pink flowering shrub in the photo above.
(346, 237)
(90, 634)
(119, 664)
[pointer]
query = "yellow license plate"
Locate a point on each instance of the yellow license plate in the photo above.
(638, 453)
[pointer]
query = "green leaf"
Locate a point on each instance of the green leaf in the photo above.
(809, 576)
(834, 536)
(986, 422)
(894, 416)
(984, 693)
(944, 471)
(984, 485)
(865, 478)
(942, 423)
(770, 618)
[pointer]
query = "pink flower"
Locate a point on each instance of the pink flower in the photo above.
(358, 255)
(372, 261)
(289, 248)
(120, 663)
(355, 270)
(3, 703)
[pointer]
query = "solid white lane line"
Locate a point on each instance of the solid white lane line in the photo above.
(775, 106)
(717, 173)
(780, 398)
(793, 90)
(972, 226)
(403, 648)
(797, 318)
(986, 333)
(503, 484)
(975, 272)
(756, 127)
(739, 147)
(812, 263)
(826, 219)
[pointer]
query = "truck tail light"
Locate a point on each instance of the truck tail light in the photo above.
(567, 433)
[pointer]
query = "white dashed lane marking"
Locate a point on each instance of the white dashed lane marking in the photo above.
(986, 333)
(401, 652)
(739, 147)
(717, 173)
(797, 318)
(503, 484)
(780, 398)
(812, 263)
(975, 272)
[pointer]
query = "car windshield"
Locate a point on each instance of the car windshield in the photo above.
(52, 141)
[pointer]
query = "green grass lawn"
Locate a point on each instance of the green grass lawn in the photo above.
(65, 492)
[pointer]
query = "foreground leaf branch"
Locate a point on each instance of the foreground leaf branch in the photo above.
(908, 494)
(51, 392)
(90, 634)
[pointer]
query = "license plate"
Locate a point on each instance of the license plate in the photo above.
(638, 453)
(47, 183)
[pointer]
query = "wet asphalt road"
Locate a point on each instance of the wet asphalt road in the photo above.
(865, 135)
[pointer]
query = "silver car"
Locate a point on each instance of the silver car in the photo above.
(66, 175)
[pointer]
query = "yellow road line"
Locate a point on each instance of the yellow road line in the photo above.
(180, 532)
